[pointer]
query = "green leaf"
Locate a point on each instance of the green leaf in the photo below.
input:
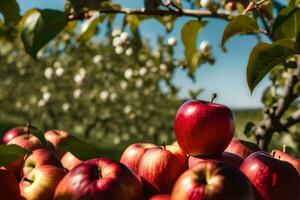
(189, 35)
(39, 27)
(80, 149)
(267, 97)
(239, 25)
(10, 153)
(79, 5)
(10, 10)
(298, 42)
(167, 21)
(90, 26)
(265, 57)
(294, 3)
(287, 24)
(248, 129)
(39, 134)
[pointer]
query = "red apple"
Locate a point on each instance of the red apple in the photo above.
(241, 148)
(12, 133)
(69, 161)
(99, 178)
(203, 128)
(272, 179)
(38, 158)
(132, 156)
(41, 182)
(212, 180)
(288, 158)
(160, 197)
(54, 138)
(28, 142)
(225, 157)
(160, 167)
(9, 187)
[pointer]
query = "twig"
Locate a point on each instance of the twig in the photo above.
(253, 6)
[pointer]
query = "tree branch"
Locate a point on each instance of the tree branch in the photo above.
(142, 11)
(294, 119)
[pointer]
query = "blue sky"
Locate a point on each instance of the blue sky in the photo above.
(227, 77)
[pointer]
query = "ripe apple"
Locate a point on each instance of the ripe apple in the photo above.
(160, 197)
(160, 167)
(225, 157)
(54, 138)
(241, 148)
(132, 156)
(99, 178)
(69, 161)
(41, 182)
(212, 180)
(28, 142)
(272, 179)
(38, 158)
(203, 128)
(9, 187)
(12, 133)
(288, 158)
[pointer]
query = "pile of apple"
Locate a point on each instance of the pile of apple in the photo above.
(205, 163)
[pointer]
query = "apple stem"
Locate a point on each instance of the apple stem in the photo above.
(28, 130)
(284, 148)
(164, 146)
(214, 96)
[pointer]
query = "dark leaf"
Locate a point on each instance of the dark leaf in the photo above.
(249, 129)
(39, 27)
(265, 57)
(238, 25)
(10, 153)
(80, 149)
(10, 10)
(39, 134)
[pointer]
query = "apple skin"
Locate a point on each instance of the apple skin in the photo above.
(9, 186)
(12, 133)
(272, 179)
(280, 155)
(212, 180)
(160, 197)
(241, 148)
(203, 128)
(41, 182)
(160, 167)
(99, 178)
(69, 161)
(54, 138)
(225, 157)
(38, 158)
(133, 154)
(28, 142)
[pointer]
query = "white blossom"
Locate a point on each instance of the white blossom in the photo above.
(163, 67)
(48, 72)
(116, 41)
(59, 71)
(139, 83)
(57, 64)
(78, 78)
(77, 93)
(205, 47)
(123, 85)
(127, 109)
(124, 36)
(113, 96)
(119, 50)
(66, 107)
(128, 73)
(41, 103)
(97, 59)
(172, 41)
(143, 71)
(104, 95)
(46, 96)
(129, 51)
(116, 32)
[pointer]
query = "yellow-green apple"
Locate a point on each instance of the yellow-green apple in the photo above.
(99, 178)
(212, 180)
(28, 142)
(288, 158)
(133, 154)
(41, 182)
(38, 158)
(272, 179)
(54, 138)
(203, 128)
(160, 167)
(160, 197)
(12, 133)
(69, 161)
(241, 148)
(9, 187)
(225, 157)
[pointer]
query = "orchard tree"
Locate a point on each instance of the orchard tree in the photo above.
(276, 54)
